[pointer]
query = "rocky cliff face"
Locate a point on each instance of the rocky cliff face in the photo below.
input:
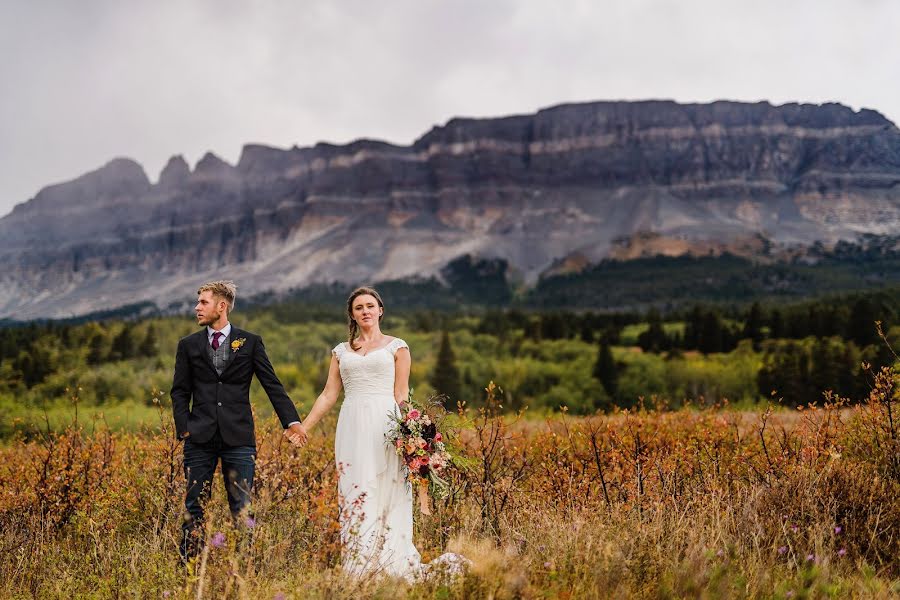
(551, 191)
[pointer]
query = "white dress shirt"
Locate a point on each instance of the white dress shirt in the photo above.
(210, 332)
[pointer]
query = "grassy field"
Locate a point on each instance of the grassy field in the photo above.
(711, 503)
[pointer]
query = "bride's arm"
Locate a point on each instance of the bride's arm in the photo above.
(327, 398)
(402, 362)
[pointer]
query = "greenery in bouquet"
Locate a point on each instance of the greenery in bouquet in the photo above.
(416, 438)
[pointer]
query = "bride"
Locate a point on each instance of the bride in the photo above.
(375, 500)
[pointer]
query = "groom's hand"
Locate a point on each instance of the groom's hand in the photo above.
(297, 434)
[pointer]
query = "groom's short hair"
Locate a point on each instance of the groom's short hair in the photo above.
(223, 289)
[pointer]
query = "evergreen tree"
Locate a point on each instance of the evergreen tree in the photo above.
(25, 366)
(605, 370)
(753, 325)
(494, 322)
(611, 334)
(838, 320)
(655, 338)
(35, 363)
(710, 337)
(861, 328)
(97, 351)
(776, 324)
(692, 327)
(445, 376)
(422, 321)
(123, 344)
(825, 366)
(65, 336)
(797, 324)
(553, 327)
(149, 347)
(469, 389)
(534, 329)
(850, 382)
(786, 371)
(586, 333)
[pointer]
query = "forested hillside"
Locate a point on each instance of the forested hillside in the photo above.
(584, 361)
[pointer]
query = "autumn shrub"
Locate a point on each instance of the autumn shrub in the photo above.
(698, 502)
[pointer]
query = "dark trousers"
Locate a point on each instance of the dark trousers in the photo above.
(200, 460)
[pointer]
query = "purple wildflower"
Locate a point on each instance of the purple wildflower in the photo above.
(279, 596)
(218, 539)
(789, 594)
(811, 558)
(842, 552)
(837, 529)
(250, 522)
(782, 549)
(794, 528)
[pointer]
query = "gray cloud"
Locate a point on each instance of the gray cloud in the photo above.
(87, 81)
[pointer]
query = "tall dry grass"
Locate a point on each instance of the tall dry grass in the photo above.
(708, 503)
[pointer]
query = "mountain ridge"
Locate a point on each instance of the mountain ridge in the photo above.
(571, 184)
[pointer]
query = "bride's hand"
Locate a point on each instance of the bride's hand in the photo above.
(297, 434)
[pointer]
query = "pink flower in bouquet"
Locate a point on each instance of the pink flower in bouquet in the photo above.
(417, 442)
(437, 461)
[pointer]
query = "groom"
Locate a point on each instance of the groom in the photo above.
(211, 404)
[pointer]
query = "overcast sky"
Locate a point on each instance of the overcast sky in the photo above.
(86, 81)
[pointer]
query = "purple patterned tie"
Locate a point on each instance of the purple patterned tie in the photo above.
(215, 342)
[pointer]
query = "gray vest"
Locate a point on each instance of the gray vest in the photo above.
(221, 356)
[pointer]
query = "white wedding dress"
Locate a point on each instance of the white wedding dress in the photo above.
(375, 499)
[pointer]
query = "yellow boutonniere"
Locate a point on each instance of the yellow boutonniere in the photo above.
(236, 344)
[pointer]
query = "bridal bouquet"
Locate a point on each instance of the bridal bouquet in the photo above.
(417, 441)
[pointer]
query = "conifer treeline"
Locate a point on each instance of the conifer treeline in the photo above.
(806, 347)
(30, 353)
(707, 328)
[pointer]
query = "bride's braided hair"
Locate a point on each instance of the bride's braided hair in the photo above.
(352, 325)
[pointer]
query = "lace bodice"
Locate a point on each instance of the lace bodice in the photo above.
(368, 375)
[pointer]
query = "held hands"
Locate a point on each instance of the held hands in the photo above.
(297, 434)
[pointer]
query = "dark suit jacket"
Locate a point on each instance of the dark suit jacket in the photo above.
(202, 400)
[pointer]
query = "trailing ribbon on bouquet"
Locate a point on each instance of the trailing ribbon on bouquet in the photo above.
(424, 504)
